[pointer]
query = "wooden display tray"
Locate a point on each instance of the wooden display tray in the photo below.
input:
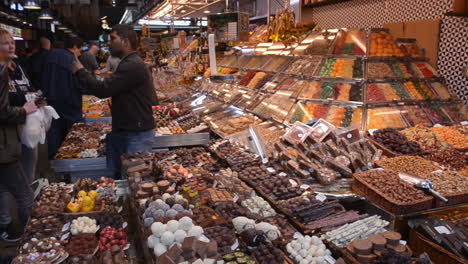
(438, 254)
(362, 188)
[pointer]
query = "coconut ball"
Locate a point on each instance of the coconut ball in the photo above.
(165, 196)
(297, 246)
(180, 235)
(148, 221)
(298, 258)
(289, 248)
(158, 228)
(179, 197)
(159, 213)
(171, 213)
(185, 223)
(304, 261)
(195, 231)
(179, 208)
(159, 249)
(159, 202)
(167, 238)
(320, 260)
(165, 207)
(316, 241)
(152, 241)
(172, 226)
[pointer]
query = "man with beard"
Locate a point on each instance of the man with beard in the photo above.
(132, 91)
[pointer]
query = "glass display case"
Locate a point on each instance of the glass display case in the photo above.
(351, 78)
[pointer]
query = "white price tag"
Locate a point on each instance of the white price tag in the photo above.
(297, 235)
(293, 182)
(271, 170)
(120, 209)
(282, 174)
(236, 197)
(273, 128)
(200, 164)
(371, 131)
(235, 245)
(464, 123)
(305, 186)
(204, 239)
(97, 228)
(126, 247)
(215, 183)
(253, 194)
(330, 259)
(173, 185)
(437, 171)
(65, 227)
(442, 230)
(65, 236)
(124, 225)
(173, 156)
(403, 242)
(320, 197)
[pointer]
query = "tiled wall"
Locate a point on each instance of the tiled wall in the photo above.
(453, 45)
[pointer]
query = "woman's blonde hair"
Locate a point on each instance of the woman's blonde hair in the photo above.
(4, 32)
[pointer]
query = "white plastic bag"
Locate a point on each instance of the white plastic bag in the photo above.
(35, 129)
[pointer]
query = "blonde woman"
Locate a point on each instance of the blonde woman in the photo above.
(14, 85)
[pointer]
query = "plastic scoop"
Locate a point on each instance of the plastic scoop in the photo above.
(421, 183)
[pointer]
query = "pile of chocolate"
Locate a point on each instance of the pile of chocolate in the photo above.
(396, 142)
(378, 245)
(191, 250)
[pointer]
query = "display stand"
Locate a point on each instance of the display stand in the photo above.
(82, 168)
(98, 120)
(181, 140)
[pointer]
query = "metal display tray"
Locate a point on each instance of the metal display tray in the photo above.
(74, 165)
(99, 120)
(181, 140)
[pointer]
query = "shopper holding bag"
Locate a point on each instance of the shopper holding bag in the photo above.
(18, 166)
(12, 177)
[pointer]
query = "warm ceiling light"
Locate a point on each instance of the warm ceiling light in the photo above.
(46, 14)
(62, 28)
(206, 11)
(183, 11)
(32, 4)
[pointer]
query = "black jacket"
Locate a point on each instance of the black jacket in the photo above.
(10, 118)
(132, 91)
(60, 86)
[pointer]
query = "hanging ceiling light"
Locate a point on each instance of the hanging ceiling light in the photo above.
(46, 14)
(32, 4)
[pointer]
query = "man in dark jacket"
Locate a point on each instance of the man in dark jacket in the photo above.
(36, 62)
(132, 91)
(12, 177)
(62, 90)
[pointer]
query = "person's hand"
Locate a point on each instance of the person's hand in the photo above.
(97, 72)
(76, 65)
(30, 107)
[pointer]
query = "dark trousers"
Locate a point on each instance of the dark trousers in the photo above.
(56, 135)
(14, 180)
(122, 142)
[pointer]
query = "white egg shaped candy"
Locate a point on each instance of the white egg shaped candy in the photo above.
(158, 228)
(320, 260)
(152, 241)
(304, 253)
(172, 226)
(159, 249)
(195, 231)
(180, 235)
(298, 258)
(167, 238)
(185, 223)
(304, 261)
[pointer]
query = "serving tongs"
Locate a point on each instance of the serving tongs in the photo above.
(421, 183)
